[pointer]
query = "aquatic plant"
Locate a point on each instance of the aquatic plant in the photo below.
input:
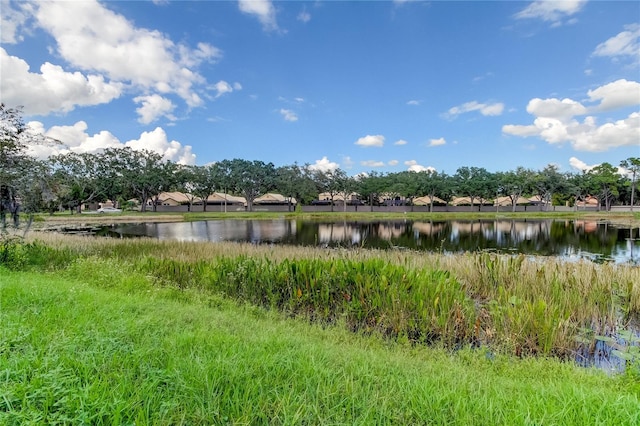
(515, 304)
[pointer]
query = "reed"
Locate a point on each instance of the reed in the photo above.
(514, 304)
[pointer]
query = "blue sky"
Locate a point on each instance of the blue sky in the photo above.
(360, 85)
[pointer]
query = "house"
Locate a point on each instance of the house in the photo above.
(338, 198)
(274, 199)
(466, 201)
(173, 199)
(506, 201)
(589, 201)
(218, 198)
(426, 201)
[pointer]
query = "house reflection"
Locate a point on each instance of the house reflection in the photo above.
(547, 237)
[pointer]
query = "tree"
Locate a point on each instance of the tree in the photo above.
(164, 178)
(371, 186)
(186, 176)
(474, 182)
(110, 172)
(546, 183)
(204, 181)
(251, 178)
(577, 185)
(346, 186)
(604, 181)
(16, 166)
(80, 174)
(295, 182)
(408, 184)
(632, 165)
(513, 184)
(146, 173)
(332, 182)
(36, 187)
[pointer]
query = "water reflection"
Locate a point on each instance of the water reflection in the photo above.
(255, 231)
(571, 239)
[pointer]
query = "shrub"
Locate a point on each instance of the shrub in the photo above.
(13, 252)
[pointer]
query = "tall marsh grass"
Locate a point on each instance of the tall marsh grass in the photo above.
(514, 304)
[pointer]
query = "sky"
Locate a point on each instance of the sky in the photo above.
(363, 86)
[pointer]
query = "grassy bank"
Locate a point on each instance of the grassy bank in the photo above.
(366, 215)
(515, 305)
(65, 217)
(101, 342)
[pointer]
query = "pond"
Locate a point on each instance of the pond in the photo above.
(598, 241)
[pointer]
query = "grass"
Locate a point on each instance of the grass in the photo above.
(100, 342)
(626, 217)
(367, 215)
(516, 305)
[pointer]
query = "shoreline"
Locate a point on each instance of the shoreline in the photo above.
(627, 219)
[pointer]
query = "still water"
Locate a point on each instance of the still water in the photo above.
(569, 239)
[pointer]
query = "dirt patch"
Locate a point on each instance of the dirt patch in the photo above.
(103, 219)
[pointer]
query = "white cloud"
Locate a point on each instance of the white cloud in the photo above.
(400, 142)
(369, 140)
(555, 108)
(551, 11)
(93, 38)
(222, 87)
(580, 165)
(157, 141)
(414, 102)
(324, 165)
(588, 136)
(304, 16)
(585, 136)
(626, 43)
(372, 163)
(295, 101)
(154, 107)
(555, 120)
(76, 139)
(619, 94)
(263, 10)
(53, 89)
(484, 109)
(347, 162)
(437, 142)
(288, 115)
(393, 162)
(10, 20)
(413, 166)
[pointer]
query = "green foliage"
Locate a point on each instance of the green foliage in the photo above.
(73, 351)
(18, 254)
(13, 252)
(508, 303)
(370, 296)
(251, 178)
(119, 174)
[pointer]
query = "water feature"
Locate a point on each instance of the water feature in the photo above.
(598, 241)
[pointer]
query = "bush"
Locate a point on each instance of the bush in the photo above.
(17, 254)
(13, 253)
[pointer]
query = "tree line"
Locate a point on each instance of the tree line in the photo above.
(72, 180)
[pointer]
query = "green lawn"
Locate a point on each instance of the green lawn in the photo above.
(125, 350)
